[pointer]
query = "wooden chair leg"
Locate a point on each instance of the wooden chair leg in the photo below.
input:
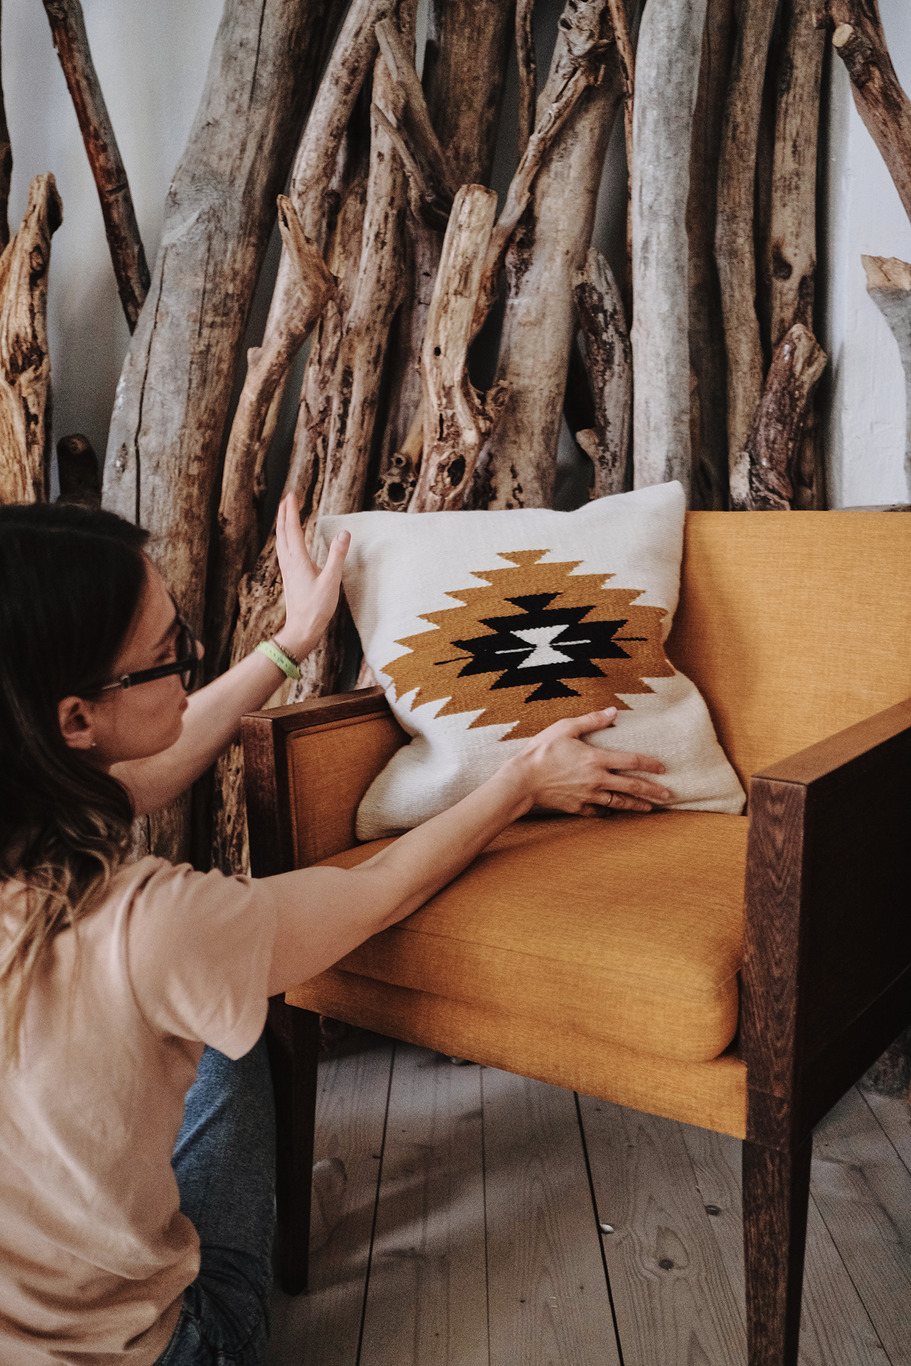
(776, 1193)
(293, 1039)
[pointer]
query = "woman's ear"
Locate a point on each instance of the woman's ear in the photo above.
(77, 722)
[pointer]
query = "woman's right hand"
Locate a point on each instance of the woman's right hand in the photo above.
(566, 774)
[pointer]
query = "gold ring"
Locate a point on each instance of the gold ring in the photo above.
(610, 799)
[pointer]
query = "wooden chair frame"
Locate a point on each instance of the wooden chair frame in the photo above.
(826, 981)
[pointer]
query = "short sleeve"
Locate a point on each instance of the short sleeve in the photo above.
(198, 954)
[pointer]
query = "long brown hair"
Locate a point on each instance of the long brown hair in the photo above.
(71, 581)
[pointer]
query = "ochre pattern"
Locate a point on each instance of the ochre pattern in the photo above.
(536, 644)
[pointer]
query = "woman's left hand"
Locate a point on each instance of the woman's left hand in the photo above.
(311, 595)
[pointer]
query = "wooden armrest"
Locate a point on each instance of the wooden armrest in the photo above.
(827, 951)
(306, 768)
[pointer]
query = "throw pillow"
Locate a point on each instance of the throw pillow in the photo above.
(484, 627)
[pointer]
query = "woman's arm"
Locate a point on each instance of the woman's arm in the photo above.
(323, 913)
(212, 718)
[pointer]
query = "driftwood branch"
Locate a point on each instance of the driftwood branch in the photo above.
(456, 420)
(25, 366)
(78, 471)
(519, 465)
(127, 253)
(889, 286)
(6, 164)
(708, 397)
(417, 141)
(790, 264)
(462, 35)
(734, 233)
(528, 73)
(667, 73)
(859, 40)
(242, 482)
(777, 426)
(608, 361)
(165, 441)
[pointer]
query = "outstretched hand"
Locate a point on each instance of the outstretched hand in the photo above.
(568, 775)
(311, 595)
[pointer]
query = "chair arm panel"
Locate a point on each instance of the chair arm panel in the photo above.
(307, 766)
(827, 931)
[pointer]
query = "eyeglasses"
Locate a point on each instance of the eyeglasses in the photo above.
(187, 664)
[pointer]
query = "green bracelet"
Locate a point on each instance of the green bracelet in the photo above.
(278, 656)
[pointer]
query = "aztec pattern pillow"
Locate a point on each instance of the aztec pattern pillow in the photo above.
(484, 627)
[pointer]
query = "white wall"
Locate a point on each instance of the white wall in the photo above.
(151, 57)
(863, 215)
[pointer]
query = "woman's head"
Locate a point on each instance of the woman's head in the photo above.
(76, 593)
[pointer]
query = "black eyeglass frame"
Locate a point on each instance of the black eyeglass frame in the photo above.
(188, 665)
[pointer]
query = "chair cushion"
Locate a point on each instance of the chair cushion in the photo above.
(484, 627)
(626, 929)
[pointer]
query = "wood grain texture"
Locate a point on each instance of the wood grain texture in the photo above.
(667, 75)
(293, 1039)
(549, 1304)
(776, 1191)
(322, 1327)
(674, 1300)
(865, 1199)
(893, 1114)
(427, 1298)
(835, 1329)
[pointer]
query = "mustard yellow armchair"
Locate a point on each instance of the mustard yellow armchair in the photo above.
(734, 972)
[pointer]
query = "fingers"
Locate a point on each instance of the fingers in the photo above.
(593, 720)
(620, 758)
(337, 552)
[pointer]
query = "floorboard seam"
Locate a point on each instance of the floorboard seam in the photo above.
(376, 1210)
(885, 1132)
(860, 1298)
(601, 1236)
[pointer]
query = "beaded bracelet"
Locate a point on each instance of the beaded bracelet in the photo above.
(285, 662)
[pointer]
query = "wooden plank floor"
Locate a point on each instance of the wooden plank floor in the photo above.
(493, 1221)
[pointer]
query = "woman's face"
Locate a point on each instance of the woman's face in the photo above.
(136, 722)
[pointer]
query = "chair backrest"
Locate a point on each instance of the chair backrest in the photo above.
(793, 625)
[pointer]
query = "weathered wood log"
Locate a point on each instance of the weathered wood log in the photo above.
(78, 471)
(667, 74)
(267, 367)
(708, 395)
(859, 40)
(549, 245)
(124, 241)
(791, 256)
(608, 361)
(6, 163)
(528, 73)
(25, 366)
(412, 133)
(734, 234)
(889, 286)
(777, 426)
(456, 418)
(464, 72)
(462, 35)
(169, 416)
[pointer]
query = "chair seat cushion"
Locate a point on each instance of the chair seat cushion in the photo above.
(628, 929)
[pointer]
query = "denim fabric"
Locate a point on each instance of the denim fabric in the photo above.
(224, 1163)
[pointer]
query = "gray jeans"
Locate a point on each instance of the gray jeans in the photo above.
(224, 1162)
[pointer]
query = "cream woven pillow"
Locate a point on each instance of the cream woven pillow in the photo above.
(484, 627)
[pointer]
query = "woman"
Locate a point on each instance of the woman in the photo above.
(136, 1199)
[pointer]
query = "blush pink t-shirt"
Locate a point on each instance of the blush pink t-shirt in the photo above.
(94, 1252)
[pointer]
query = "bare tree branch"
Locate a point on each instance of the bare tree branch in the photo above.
(608, 361)
(528, 92)
(859, 40)
(456, 420)
(774, 437)
(25, 368)
(734, 245)
(127, 253)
